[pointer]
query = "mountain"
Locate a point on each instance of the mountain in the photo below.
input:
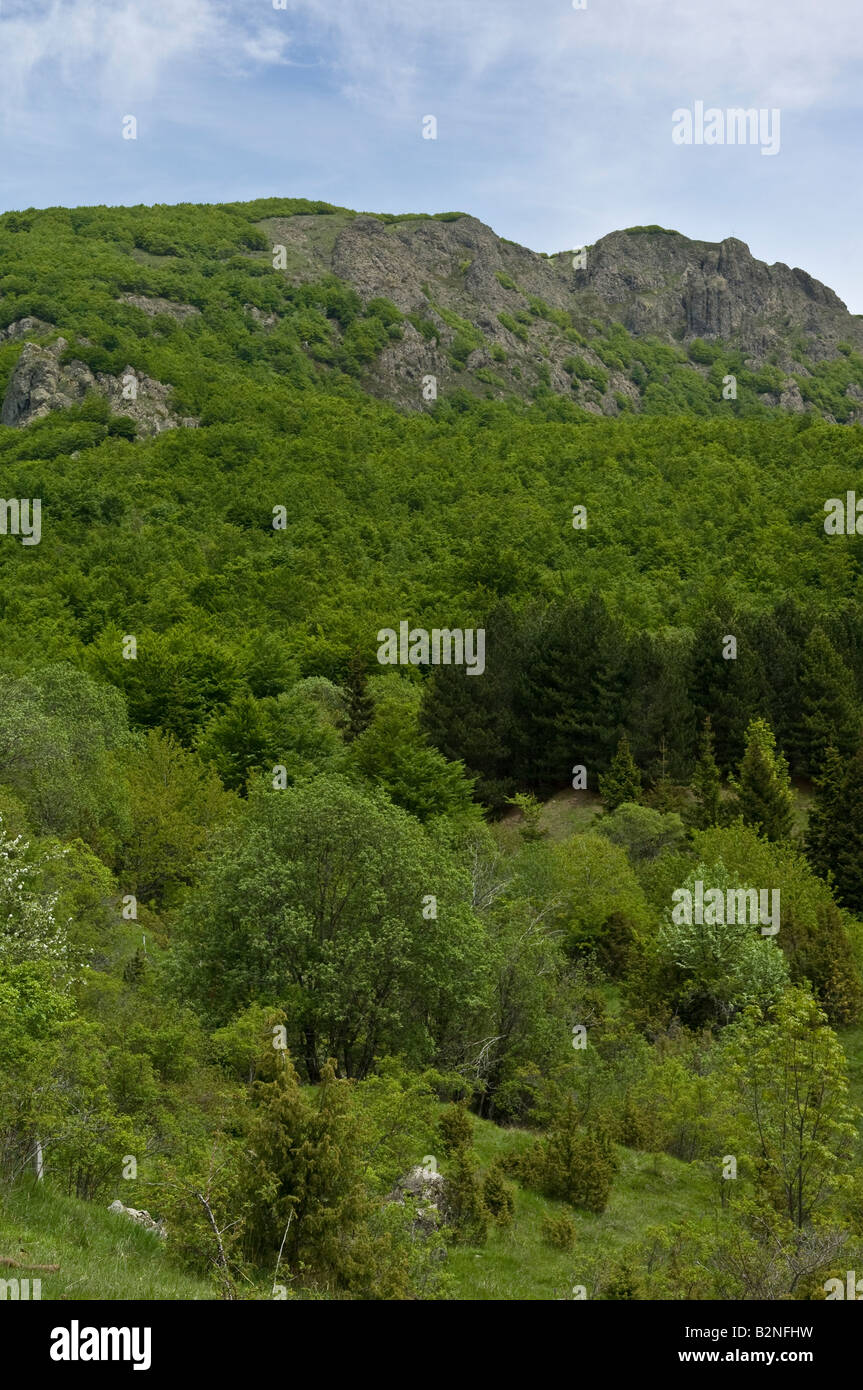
(413, 308)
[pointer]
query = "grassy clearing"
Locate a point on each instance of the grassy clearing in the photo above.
(515, 1264)
(101, 1255)
(565, 814)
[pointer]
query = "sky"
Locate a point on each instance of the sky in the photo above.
(554, 123)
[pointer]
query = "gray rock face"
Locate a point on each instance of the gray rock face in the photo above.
(40, 383)
(262, 319)
(663, 283)
(653, 282)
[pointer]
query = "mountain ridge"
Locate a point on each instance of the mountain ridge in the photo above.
(419, 307)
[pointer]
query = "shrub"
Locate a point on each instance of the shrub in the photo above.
(498, 1196)
(558, 1230)
(468, 1215)
(456, 1129)
(577, 1166)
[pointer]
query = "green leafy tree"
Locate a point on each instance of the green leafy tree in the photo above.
(788, 1074)
(313, 901)
(725, 965)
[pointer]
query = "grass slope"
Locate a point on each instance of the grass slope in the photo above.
(101, 1255)
(515, 1264)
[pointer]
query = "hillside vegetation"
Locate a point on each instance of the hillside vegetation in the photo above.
(375, 980)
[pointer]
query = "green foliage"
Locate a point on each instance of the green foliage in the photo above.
(833, 836)
(359, 970)
(573, 1165)
(464, 1195)
(498, 1197)
(789, 1081)
(455, 1129)
(725, 965)
(762, 787)
(559, 1230)
(622, 783)
(644, 833)
(707, 781)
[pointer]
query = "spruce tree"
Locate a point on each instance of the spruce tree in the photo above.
(360, 707)
(829, 713)
(834, 838)
(763, 787)
(623, 780)
(706, 781)
(820, 840)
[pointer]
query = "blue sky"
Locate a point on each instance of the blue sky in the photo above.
(554, 123)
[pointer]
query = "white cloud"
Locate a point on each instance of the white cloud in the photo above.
(121, 50)
(780, 52)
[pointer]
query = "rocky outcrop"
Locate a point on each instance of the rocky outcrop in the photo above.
(151, 305)
(427, 1189)
(41, 382)
(530, 312)
(663, 283)
(262, 319)
(25, 328)
(143, 1218)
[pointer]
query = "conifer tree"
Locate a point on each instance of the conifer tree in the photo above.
(706, 781)
(829, 713)
(360, 707)
(763, 787)
(623, 780)
(834, 838)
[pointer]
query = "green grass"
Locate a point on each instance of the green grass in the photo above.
(515, 1264)
(101, 1255)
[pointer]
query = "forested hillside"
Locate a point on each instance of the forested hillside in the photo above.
(374, 979)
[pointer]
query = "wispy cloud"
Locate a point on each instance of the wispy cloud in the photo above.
(99, 51)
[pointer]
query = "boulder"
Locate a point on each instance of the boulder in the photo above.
(143, 1218)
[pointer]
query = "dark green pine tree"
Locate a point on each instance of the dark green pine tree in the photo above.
(707, 781)
(660, 712)
(779, 636)
(834, 836)
(471, 719)
(762, 785)
(828, 710)
(360, 706)
(732, 690)
(604, 698)
(550, 698)
(623, 780)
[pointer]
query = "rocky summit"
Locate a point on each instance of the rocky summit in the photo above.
(414, 308)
